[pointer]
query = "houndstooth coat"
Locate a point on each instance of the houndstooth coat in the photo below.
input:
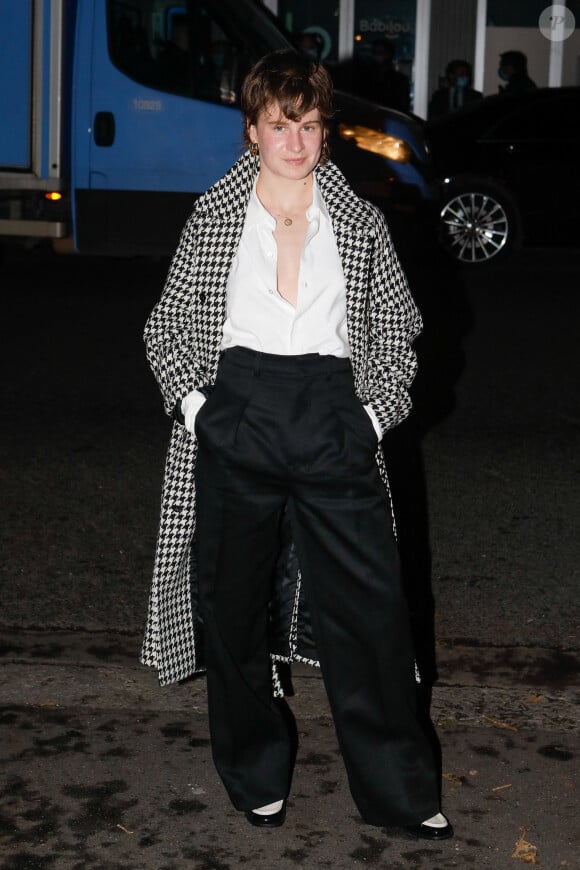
(183, 336)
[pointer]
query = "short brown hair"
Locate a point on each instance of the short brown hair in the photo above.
(296, 83)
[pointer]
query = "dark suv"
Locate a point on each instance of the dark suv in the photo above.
(508, 168)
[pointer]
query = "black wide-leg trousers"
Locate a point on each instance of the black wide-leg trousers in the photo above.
(288, 433)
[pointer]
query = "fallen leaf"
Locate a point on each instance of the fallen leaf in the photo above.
(500, 724)
(453, 778)
(535, 699)
(473, 772)
(500, 787)
(125, 831)
(526, 852)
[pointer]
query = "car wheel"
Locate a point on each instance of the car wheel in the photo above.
(478, 222)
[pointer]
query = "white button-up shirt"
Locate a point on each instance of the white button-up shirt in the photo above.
(260, 318)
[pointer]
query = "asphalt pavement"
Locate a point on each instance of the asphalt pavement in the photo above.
(103, 769)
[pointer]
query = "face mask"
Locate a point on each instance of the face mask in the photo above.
(462, 81)
(503, 75)
(312, 53)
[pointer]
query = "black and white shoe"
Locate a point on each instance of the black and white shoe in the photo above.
(269, 816)
(435, 828)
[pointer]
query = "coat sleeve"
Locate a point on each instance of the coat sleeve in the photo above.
(393, 324)
(169, 332)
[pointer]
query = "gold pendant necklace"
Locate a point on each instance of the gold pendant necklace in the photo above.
(288, 221)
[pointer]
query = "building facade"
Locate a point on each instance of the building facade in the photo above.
(426, 34)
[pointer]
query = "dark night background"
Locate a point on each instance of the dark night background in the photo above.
(485, 479)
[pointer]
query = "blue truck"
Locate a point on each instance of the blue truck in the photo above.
(116, 114)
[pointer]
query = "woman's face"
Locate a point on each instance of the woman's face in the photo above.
(288, 149)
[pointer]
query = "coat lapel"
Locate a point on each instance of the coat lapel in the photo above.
(220, 216)
(354, 234)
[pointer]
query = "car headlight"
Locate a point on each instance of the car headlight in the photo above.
(377, 142)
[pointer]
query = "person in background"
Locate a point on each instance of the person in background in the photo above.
(513, 70)
(457, 91)
(310, 45)
(282, 344)
(381, 82)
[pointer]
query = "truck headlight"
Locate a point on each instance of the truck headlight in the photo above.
(377, 142)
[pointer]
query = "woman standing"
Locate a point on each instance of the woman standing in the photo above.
(282, 345)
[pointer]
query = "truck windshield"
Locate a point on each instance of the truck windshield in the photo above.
(196, 48)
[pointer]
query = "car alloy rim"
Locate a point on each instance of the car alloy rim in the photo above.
(475, 227)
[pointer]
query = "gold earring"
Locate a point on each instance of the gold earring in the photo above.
(254, 149)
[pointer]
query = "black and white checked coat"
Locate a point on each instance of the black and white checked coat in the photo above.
(183, 336)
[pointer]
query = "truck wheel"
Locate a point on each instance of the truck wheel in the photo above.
(478, 222)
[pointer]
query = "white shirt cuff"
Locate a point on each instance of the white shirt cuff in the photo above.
(374, 421)
(190, 405)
